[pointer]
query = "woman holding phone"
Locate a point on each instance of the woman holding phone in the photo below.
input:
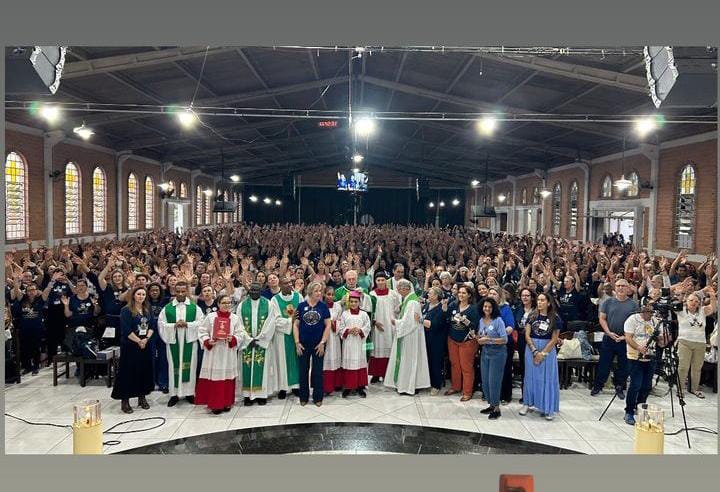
(462, 345)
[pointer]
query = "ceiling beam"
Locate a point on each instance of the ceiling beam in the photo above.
(398, 75)
(285, 167)
(108, 118)
(593, 128)
(617, 80)
(84, 68)
(248, 146)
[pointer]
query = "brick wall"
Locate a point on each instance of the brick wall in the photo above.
(565, 178)
(30, 148)
(634, 163)
(704, 157)
(141, 170)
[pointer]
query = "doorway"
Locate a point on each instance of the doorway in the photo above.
(178, 216)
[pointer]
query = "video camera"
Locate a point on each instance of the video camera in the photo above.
(664, 305)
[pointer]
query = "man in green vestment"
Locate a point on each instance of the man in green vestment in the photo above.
(284, 306)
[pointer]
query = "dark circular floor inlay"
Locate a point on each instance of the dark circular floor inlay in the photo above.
(349, 437)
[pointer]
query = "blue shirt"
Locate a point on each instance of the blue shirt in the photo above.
(506, 314)
(312, 322)
(496, 329)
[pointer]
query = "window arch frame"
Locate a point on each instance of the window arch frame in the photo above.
(536, 195)
(99, 192)
(633, 190)
(182, 193)
(684, 220)
(75, 227)
(149, 201)
(573, 207)
(24, 220)
(133, 202)
(523, 196)
(208, 209)
(606, 188)
(556, 209)
(198, 206)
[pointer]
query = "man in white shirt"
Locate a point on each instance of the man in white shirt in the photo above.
(640, 335)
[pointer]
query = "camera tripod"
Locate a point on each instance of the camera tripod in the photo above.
(670, 370)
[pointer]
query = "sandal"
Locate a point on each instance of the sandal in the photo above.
(451, 392)
(699, 394)
(465, 398)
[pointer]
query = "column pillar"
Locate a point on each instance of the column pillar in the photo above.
(120, 212)
(50, 140)
(652, 152)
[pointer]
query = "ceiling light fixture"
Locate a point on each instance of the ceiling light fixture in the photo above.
(474, 182)
(253, 198)
(267, 201)
(187, 117)
(431, 205)
(234, 178)
(50, 113)
(278, 202)
(545, 193)
(501, 197)
(357, 158)
(486, 126)
(364, 127)
(646, 125)
(208, 192)
(83, 131)
(455, 202)
(442, 204)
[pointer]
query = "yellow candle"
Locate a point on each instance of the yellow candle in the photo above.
(87, 437)
(649, 438)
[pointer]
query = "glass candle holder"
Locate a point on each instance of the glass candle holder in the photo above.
(649, 429)
(87, 427)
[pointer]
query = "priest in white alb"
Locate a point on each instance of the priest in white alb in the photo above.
(332, 360)
(257, 365)
(354, 328)
(408, 365)
(284, 305)
(178, 324)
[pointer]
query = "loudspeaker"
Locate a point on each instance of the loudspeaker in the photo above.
(423, 188)
(681, 77)
(289, 187)
(34, 69)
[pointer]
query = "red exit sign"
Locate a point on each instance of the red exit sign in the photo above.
(328, 124)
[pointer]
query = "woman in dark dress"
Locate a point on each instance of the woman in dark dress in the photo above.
(135, 372)
(435, 322)
(158, 300)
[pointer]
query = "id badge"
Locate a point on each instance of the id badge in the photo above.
(143, 328)
(109, 332)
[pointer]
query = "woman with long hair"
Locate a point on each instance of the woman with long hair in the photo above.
(435, 322)
(157, 301)
(498, 295)
(462, 344)
(332, 360)
(542, 386)
(493, 337)
(521, 313)
(135, 377)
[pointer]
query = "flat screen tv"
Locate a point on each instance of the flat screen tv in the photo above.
(352, 181)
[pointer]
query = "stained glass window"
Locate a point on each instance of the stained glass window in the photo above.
(72, 199)
(607, 187)
(685, 212)
(634, 188)
(183, 189)
(556, 210)
(149, 203)
(16, 202)
(572, 226)
(198, 206)
(99, 190)
(132, 195)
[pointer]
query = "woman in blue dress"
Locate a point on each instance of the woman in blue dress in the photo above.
(541, 389)
(135, 378)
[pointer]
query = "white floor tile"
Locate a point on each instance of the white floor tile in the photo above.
(540, 428)
(606, 430)
(463, 425)
(448, 410)
(573, 445)
(194, 427)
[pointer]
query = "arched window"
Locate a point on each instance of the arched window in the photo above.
(685, 213)
(132, 196)
(171, 186)
(226, 215)
(183, 189)
(198, 205)
(523, 196)
(99, 200)
(238, 210)
(536, 195)
(634, 188)
(149, 202)
(572, 226)
(208, 209)
(607, 187)
(556, 210)
(72, 199)
(16, 197)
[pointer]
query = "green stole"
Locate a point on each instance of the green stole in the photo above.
(171, 317)
(291, 358)
(253, 363)
(410, 297)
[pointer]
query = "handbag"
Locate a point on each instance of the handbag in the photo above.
(570, 349)
(711, 357)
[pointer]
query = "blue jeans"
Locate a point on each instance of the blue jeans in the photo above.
(492, 368)
(308, 358)
(608, 350)
(160, 362)
(641, 374)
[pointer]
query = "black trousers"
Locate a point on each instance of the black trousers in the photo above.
(30, 348)
(507, 381)
(436, 344)
(307, 360)
(55, 327)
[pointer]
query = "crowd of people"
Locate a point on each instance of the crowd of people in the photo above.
(258, 312)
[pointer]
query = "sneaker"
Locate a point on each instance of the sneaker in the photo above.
(629, 419)
(524, 410)
(488, 410)
(549, 416)
(595, 392)
(434, 392)
(620, 392)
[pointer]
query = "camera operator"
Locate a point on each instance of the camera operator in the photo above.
(613, 314)
(692, 338)
(641, 332)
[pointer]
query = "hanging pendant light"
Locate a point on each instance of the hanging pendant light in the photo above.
(623, 183)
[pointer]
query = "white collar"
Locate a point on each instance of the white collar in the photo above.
(288, 297)
(185, 302)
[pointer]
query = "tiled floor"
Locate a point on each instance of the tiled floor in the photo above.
(577, 427)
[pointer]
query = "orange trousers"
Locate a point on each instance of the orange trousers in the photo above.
(462, 365)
